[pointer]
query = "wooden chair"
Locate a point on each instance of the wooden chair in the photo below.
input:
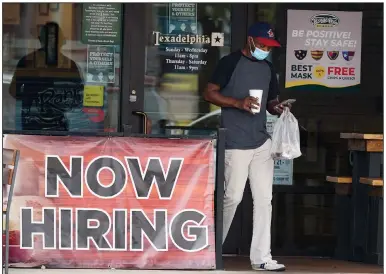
(10, 162)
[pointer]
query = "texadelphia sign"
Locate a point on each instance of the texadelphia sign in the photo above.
(215, 39)
(113, 202)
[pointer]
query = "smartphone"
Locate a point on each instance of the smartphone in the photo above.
(288, 101)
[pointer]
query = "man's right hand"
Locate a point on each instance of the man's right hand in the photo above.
(247, 104)
(212, 95)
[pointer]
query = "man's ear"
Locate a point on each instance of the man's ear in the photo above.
(249, 43)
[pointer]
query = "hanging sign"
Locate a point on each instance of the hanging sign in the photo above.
(323, 49)
(100, 64)
(113, 202)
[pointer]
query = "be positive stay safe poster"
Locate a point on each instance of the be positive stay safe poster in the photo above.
(323, 49)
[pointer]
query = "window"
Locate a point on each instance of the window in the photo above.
(61, 66)
(176, 71)
(212, 121)
(206, 125)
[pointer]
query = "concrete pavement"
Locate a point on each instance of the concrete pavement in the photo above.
(236, 265)
(92, 271)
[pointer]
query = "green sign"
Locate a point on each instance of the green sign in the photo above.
(182, 18)
(100, 64)
(101, 24)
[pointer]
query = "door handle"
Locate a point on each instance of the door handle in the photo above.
(145, 119)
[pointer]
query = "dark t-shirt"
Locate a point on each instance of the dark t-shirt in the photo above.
(236, 74)
(46, 93)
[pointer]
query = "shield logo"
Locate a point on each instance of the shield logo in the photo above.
(348, 55)
(300, 54)
(317, 54)
(270, 34)
(332, 55)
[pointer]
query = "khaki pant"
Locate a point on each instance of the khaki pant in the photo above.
(257, 165)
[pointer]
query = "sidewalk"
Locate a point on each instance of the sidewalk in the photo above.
(92, 271)
(236, 265)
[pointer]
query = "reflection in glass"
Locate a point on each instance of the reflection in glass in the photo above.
(177, 72)
(47, 84)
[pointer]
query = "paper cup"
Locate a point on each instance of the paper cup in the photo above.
(258, 94)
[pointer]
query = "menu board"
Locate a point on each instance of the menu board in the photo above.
(101, 23)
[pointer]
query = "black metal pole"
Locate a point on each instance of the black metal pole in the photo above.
(219, 196)
(126, 130)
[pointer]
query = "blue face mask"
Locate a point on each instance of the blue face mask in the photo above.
(258, 53)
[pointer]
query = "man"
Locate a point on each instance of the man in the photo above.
(47, 84)
(247, 141)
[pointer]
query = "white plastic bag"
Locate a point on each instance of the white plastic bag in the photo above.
(286, 137)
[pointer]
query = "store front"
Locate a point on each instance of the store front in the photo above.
(113, 68)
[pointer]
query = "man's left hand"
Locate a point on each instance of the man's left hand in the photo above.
(279, 108)
(275, 107)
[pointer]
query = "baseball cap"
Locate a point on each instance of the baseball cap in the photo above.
(264, 34)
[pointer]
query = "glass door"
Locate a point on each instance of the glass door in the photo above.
(173, 50)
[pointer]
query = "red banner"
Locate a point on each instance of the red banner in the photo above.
(121, 202)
